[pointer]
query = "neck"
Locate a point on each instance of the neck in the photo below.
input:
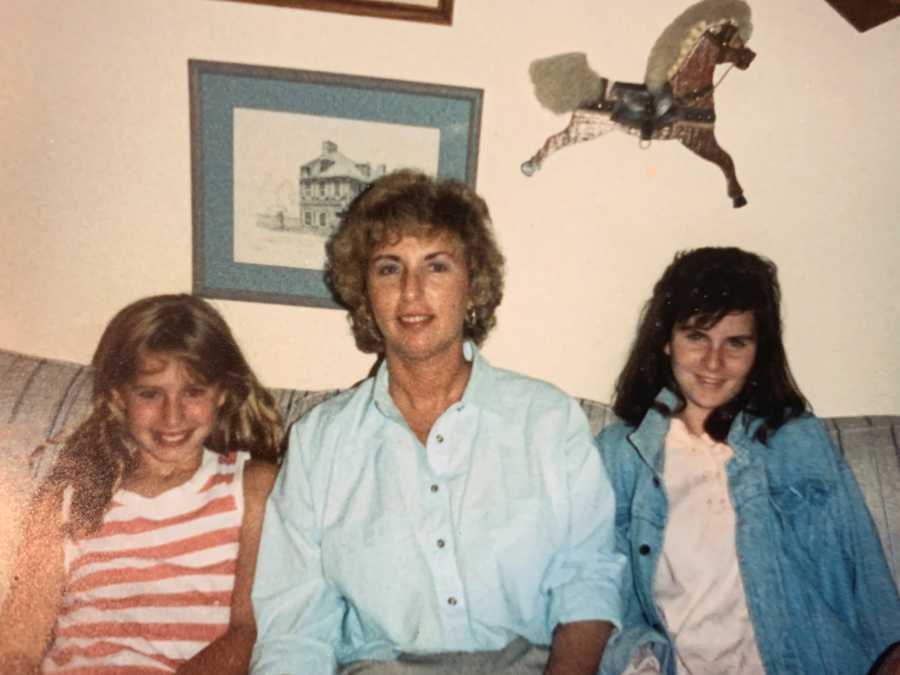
(693, 420)
(696, 73)
(150, 478)
(423, 390)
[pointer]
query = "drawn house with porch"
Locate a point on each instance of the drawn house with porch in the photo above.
(327, 186)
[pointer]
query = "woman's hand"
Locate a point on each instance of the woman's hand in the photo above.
(577, 647)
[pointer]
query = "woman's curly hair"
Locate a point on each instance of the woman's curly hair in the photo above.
(408, 202)
(99, 454)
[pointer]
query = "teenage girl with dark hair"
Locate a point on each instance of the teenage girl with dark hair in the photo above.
(750, 547)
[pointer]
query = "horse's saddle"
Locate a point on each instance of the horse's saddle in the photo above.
(637, 107)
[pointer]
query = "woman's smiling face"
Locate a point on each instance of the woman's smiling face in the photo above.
(419, 292)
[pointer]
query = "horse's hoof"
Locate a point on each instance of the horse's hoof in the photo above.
(739, 201)
(528, 168)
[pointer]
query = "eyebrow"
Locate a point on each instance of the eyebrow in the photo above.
(430, 256)
(739, 336)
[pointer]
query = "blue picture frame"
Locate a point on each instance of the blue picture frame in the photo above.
(217, 90)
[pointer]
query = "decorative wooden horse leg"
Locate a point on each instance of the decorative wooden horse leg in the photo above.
(702, 141)
(585, 125)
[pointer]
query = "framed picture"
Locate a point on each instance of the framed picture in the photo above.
(432, 11)
(278, 154)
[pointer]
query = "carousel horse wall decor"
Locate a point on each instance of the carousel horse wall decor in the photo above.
(674, 102)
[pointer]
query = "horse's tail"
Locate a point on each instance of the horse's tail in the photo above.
(565, 82)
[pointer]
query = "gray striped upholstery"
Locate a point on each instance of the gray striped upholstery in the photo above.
(40, 398)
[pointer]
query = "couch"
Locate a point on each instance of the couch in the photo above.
(42, 398)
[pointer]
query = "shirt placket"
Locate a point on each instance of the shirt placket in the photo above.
(439, 540)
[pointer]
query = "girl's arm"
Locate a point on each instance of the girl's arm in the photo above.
(231, 652)
(32, 603)
(875, 601)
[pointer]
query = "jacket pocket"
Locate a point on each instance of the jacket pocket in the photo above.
(801, 510)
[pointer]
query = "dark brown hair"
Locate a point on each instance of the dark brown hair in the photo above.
(698, 288)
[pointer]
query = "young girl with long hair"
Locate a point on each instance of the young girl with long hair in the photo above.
(750, 547)
(140, 546)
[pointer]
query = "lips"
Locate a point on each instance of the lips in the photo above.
(710, 382)
(414, 319)
(172, 438)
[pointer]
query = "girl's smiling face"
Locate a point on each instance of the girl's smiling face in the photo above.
(711, 364)
(169, 414)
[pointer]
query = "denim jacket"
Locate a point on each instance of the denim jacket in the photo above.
(819, 591)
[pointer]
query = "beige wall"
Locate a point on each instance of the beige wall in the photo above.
(96, 201)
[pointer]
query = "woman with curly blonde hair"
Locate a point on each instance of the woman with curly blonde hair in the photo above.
(443, 516)
(411, 205)
(140, 545)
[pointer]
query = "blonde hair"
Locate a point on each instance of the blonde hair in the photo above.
(97, 456)
(408, 202)
(677, 41)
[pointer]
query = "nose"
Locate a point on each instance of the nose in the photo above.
(412, 285)
(712, 359)
(173, 412)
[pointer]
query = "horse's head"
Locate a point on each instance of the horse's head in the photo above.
(731, 47)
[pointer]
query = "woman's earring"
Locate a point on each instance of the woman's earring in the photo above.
(471, 317)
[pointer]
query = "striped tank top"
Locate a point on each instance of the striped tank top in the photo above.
(152, 587)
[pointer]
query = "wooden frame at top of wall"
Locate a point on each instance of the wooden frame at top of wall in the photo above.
(441, 13)
(866, 14)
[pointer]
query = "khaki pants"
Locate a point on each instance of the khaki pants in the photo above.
(519, 657)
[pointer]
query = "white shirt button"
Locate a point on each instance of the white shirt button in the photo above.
(439, 438)
(452, 601)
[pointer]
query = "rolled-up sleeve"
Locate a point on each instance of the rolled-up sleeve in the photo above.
(586, 576)
(298, 613)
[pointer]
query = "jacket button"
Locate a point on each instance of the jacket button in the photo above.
(644, 549)
(655, 482)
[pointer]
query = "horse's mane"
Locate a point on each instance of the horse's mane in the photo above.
(677, 41)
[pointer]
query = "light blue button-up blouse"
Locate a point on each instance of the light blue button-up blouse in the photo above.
(501, 526)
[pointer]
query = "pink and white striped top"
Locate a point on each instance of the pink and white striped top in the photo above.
(152, 587)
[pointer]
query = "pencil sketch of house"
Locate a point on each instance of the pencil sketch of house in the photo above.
(327, 186)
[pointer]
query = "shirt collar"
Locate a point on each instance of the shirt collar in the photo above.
(647, 437)
(479, 392)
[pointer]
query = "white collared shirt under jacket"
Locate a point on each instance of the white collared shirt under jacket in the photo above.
(501, 526)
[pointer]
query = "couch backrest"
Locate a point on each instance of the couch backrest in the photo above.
(45, 397)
